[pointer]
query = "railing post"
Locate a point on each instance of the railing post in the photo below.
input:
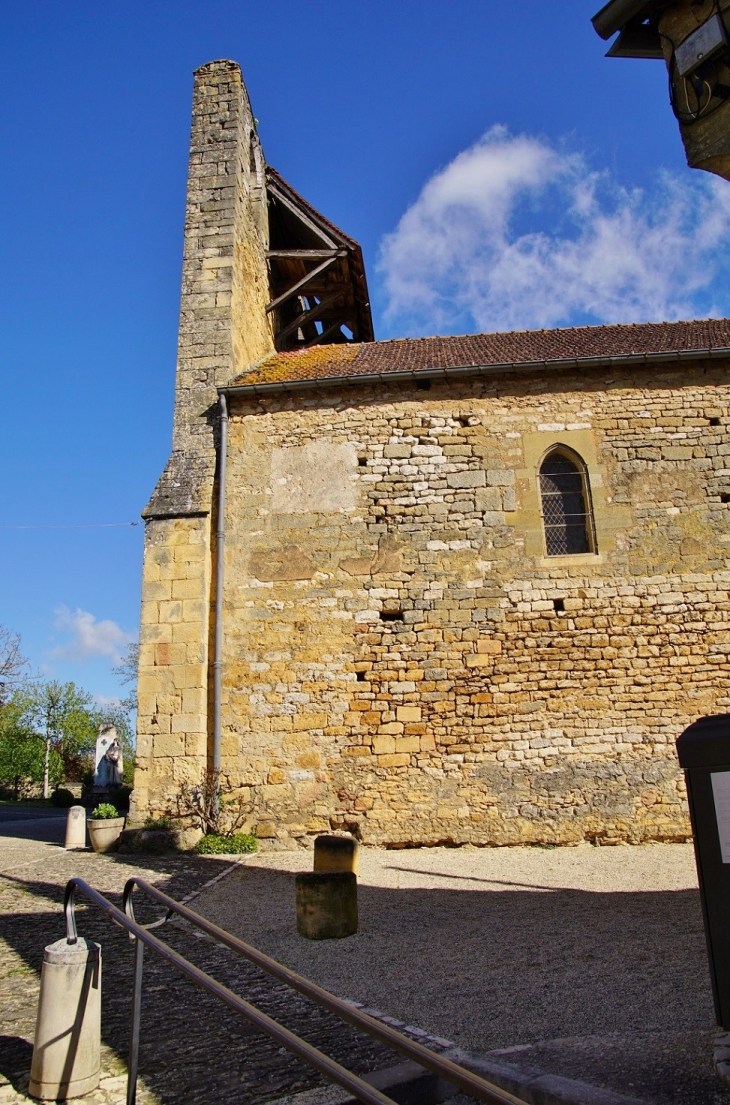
(133, 1065)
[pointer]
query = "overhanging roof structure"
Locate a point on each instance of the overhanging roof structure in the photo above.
(319, 292)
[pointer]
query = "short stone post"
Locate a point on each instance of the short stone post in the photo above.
(326, 904)
(336, 853)
(67, 1049)
(76, 828)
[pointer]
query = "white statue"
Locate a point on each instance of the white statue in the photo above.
(108, 763)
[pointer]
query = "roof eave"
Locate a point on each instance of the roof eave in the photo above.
(436, 372)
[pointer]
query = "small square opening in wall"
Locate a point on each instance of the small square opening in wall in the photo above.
(715, 422)
(725, 497)
(559, 605)
(360, 676)
(391, 615)
(423, 385)
(362, 461)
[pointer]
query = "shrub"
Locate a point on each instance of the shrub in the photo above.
(121, 797)
(62, 798)
(104, 812)
(212, 844)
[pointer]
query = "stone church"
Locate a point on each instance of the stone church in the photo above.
(443, 590)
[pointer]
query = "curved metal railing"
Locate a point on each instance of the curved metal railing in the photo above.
(142, 937)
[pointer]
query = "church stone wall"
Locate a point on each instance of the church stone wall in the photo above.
(401, 658)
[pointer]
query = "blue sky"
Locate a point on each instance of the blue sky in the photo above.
(498, 171)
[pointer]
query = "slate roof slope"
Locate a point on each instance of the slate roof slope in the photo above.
(588, 344)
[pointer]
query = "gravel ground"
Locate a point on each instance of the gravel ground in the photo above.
(590, 962)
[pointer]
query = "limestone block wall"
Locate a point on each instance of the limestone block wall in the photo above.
(172, 715)
(403, 660)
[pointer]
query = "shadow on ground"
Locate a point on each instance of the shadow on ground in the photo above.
(487, 968)
(15, 1057)
(193, 1049)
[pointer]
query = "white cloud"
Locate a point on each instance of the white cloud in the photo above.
(106, 700)
(514, 234)
(90, 637)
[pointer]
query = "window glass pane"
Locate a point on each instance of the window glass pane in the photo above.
(564, 510)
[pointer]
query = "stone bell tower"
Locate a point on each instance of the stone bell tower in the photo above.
(262, 271)
(224, 329)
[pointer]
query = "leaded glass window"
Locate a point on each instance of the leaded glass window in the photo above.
(565, 505)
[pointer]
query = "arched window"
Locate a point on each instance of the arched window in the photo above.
(566, 504)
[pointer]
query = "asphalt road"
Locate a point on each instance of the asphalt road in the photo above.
(33, 823)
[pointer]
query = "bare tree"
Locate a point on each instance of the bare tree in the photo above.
(12, 663)
(127, 670)
(211, 813)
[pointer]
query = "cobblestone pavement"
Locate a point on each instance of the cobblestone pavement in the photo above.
(193, 1049)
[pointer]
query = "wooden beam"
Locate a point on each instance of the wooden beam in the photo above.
(304, 281)
(302, 253)
(312, 313)
(326, 333)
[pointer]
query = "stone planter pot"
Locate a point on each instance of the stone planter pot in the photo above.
(105, 834)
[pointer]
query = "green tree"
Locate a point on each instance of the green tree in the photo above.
(48, 733)
(22, 751)
(64, 717)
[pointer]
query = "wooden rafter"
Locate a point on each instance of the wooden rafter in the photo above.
(312, 313)
(300, 284)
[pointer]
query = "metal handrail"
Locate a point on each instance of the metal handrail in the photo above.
(363, 1091)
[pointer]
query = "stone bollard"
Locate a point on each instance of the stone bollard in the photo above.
(326, 904)
(66, 1053)
(76, 828)
(336, 853)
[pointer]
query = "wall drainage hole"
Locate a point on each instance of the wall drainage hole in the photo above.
(391, 615)
(559, 605)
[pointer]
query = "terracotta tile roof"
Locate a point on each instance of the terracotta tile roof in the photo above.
(596, 343)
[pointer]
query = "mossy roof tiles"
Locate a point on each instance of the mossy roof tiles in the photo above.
(333, 362)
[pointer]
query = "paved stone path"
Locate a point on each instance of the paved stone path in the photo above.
(193, 1049)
